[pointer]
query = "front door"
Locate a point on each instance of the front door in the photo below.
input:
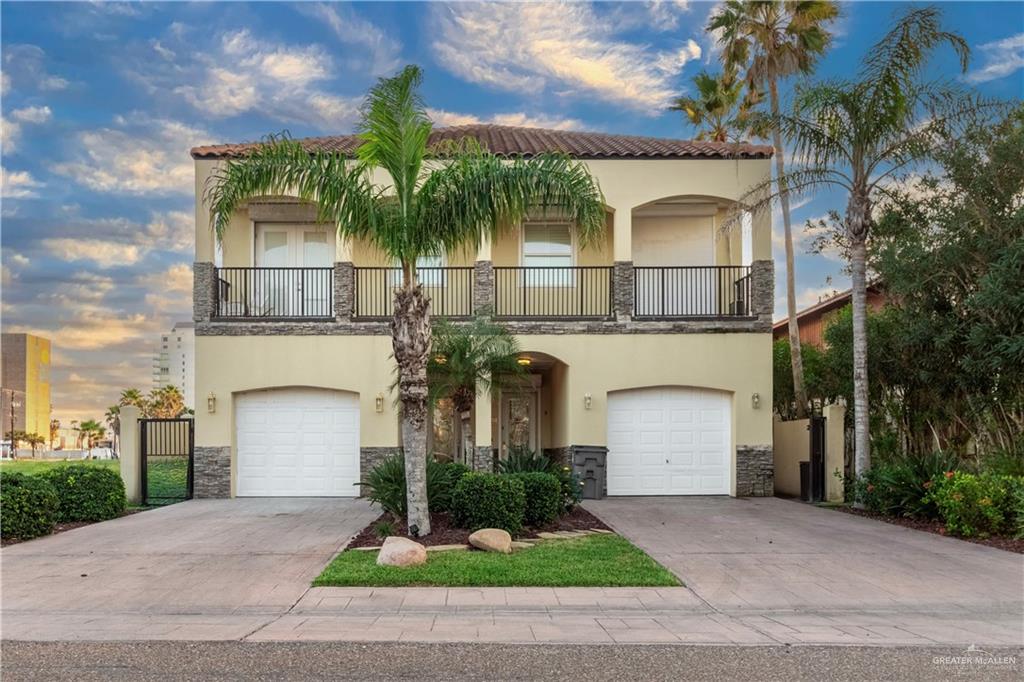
(519, 421)
(286, 285)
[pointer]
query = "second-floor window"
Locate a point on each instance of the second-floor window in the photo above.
(547, 245)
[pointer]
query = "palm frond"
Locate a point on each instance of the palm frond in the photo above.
(472, 192)
(282, 166)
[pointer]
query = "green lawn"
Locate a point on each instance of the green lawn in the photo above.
(594, 561)
(168, 476)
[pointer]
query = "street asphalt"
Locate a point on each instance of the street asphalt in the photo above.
(85, 661)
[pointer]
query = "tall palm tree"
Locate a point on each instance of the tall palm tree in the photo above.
(54, 431)
(771, 40)
(467, 360)
(439, 199)
(165, 402)
(720, 107)
(90, 429)
(855, 135)
(133, 397)
(113, 421)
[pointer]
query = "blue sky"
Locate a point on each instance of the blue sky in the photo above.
(101, 103)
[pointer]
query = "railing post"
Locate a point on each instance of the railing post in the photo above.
(483, 287)
(204, 291)
(623, 288)
(343, 291)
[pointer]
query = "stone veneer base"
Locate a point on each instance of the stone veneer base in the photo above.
(211, 471)
(755, 471)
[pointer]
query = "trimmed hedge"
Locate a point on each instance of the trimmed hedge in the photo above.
(489, 501)
(87, 493)
(28, 506)
(544, 501)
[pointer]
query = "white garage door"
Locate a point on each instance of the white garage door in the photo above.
(297, 442)
(668, 441)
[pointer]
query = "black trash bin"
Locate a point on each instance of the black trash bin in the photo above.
(805, 481)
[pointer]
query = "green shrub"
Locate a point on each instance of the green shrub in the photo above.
(28, 506)
(903, 486)
(1017, 508)
(87, 493)
(522, 460)
(385, 484)
(978, 506)
(489, 501)
(544, 500)
(1003, 462)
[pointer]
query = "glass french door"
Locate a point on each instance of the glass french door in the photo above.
(519, 421)
(283, 252)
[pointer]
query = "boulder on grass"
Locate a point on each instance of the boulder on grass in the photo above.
(398, 551)
(492, 540)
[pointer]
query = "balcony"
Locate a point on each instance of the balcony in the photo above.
(274, 293)
(450, 290)
(553, 293)
(684, 292)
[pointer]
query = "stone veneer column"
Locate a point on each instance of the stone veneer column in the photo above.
(344, 291)
(204, 291)
(762, 290)
(212, 471)
(623, 289)
(755, 471)
(483, 287)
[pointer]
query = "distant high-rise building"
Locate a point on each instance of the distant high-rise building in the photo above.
(25, 379)
(174, 362)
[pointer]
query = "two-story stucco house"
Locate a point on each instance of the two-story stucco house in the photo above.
(653, 348)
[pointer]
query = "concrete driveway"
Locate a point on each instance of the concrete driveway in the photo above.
(791, 561)
(217, 567)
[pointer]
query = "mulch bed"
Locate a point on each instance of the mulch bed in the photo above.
(935, 526)
(70, 525)
(442, 532)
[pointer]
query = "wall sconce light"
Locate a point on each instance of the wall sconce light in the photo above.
(755, 401)
(523, 361)
(587, 401)
(378, 403)
(211, 403)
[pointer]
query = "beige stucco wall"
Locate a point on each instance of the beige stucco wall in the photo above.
(626, 185)
(792, 445)
(598, 364)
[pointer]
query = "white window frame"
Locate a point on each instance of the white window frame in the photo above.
(570, 280)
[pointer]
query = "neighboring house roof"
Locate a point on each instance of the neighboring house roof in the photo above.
(512, 140)
(821, 307)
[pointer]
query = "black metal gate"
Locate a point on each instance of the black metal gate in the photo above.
(817, 433)
(166, 449)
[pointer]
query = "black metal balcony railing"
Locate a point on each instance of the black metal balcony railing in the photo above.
(691, 292)
(553, 292)
(275, 293)
(450, 290)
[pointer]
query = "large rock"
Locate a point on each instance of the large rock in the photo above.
(401, 552)
(492, 540)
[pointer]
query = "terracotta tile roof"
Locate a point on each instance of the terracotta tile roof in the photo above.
(510, 140)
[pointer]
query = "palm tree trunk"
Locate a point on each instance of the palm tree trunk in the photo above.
(410, 338)
(795, 354)
(467, 434)
(861, 414)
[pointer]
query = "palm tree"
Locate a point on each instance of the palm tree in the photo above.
(719, 109)
(133, 397)
(466, 360)
(856, 135)
(54, 431)
(439, 199)
(165, 402)
(113, 421)
(771, 40)
(89, 429)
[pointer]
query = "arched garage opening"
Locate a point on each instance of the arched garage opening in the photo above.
(669, 440)
(296, 442)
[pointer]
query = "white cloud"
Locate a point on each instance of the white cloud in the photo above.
(381, 50)
(9, 134)
(18, 259)
(164, 52)
(171, 231)
(5, 83)
(441, 117)
(529, 47)
(277, 80)
(25, 66)
(141, 156)
(1002, 57)
(32, 114)
(18, 184)
(105, 254)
